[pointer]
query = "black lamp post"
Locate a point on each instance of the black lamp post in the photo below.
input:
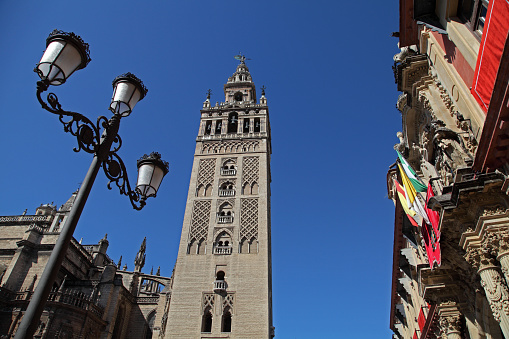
(65, 53)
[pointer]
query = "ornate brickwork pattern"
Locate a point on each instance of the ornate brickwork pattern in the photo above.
(207, 301)
(248, 219)
(228, 301)
(222, 181)
(250, 169)
(231, 146)
(221, 201)
(206, 171)
(200, 220)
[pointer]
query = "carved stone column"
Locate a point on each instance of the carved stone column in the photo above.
(503, 254)
(449, 322)
(494, 285)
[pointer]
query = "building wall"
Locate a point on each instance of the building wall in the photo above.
(446, 138)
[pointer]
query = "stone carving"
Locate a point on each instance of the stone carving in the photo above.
(206, 171)
(164, 319)
(493, 210)
(139, 261)
(250, 170)
(228, 301)
(200, 220)
(208, 301)
(449, 152)
(450, 324)
(497, 295)
(248, 219)
(401, 146)
(230, 146)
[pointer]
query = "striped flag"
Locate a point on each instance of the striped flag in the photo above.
(403, 200)
(414, 179)
(412, 199)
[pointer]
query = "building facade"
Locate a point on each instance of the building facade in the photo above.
(450, 275)
(222, 284)
(93, 297)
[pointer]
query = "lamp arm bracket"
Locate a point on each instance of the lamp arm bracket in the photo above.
(86, 132)
(115, 171)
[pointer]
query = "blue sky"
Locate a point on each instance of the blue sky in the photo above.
(331, 95)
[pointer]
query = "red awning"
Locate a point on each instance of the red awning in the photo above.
(490, 51)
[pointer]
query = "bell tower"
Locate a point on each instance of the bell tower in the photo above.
(222, 285)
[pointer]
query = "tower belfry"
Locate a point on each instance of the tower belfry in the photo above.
(222, 284)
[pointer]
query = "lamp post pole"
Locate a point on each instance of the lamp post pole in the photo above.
(30, 320)
(65, 53)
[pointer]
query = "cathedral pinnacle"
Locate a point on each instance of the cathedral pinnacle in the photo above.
(139, 261)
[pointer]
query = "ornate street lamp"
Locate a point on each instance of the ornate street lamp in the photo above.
(65, 53)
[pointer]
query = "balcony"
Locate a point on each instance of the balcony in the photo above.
(226, 193)
(225, 171)
(220, 286)
(223, 250)
(224, 219)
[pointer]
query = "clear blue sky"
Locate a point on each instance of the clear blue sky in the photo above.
(331, 95)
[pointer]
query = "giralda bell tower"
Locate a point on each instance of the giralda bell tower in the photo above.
(222, 285)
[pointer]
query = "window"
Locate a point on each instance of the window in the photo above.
(206, 322)
(473, 14)
(481, 17)
(257, 125)
(226, 321)
(233, 119)
(218, 127)
(245, 128)
(208, 127)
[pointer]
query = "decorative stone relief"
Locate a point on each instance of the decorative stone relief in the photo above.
(248, 219)
(230, 146)
(228, 301)
(206, 171)
(164, 319)
(207, 301)
(250, 170)
(200, 220)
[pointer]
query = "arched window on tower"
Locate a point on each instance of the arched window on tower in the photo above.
(256, 125)
(223, 244)
(233, 119)
(206, 322)
(228, 168)
(245, 127)
(225, 214)
(227, 189)
(220, 285)
(226, 320)
(208, 127)
(218, 127)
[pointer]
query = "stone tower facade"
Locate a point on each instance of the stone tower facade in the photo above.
(222, 284)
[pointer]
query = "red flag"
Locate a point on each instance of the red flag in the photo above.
(431, 233)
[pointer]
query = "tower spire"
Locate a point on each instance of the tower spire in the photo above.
(139, 261)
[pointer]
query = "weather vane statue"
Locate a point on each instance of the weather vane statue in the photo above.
(241, 57)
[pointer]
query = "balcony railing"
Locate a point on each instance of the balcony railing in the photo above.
(226, 193)
(220, 286)
(224, 219)
(225, 171)
(223, 250)
(68, 297)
